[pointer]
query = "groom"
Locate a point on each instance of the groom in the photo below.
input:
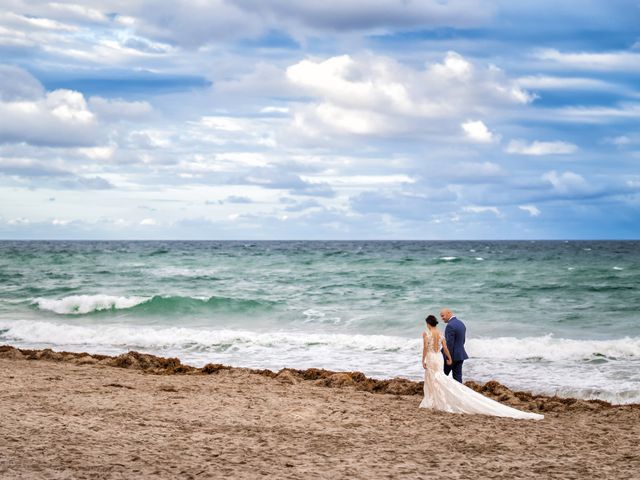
(454, 335)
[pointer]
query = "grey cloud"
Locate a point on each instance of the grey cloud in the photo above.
(18, 84)
(48, 131)
(278, 179)
(86, 183)
(118, 109)
(30, 168)
(192, 24)
(42, 174)
(403, 205)
(301, 206)
(350, 15)
(142, 45)
(237, 199)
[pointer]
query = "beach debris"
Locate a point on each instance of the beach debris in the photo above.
(153, 364)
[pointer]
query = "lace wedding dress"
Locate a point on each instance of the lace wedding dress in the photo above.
(444, 393)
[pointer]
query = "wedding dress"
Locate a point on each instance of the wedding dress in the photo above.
(442, 392)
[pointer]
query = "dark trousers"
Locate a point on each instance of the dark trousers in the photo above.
(456, 368)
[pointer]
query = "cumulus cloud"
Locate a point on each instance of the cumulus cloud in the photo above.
(60, 117)
(520, 147)
(477, 131)
(377, 95)
(353, 111)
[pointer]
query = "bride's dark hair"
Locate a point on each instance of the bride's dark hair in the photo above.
(431, 320)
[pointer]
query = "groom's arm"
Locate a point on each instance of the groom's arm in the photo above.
(450, 337)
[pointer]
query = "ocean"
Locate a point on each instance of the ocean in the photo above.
(551, 317)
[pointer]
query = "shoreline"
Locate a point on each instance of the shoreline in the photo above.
(81, 416)
(358, 381)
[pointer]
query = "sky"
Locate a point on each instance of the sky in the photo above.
(341, 119)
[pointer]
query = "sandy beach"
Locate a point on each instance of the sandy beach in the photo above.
(69, 415)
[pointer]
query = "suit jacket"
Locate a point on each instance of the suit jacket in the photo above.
(454, 335)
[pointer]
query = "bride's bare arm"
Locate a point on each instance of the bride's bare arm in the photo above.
(424, 350)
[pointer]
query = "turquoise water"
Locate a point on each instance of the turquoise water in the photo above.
(551, 317)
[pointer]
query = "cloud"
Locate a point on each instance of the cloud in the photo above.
(598, 114)
(359, 180)
(72, 11)
(404, 205)
(599, 61)
(532, 210)
(237, 199)
(17, 84)
(97, 153)
(619, 141)
(359, 15)
(86, 183)
(117, 109)
(54, 175)
(19, 221)
(376, 95)
(520, 147)
(545, 82)
(60, 117)
(477, 131)
(474, 172)
(477, 209)
(567, 183)
(34, 22)
(352, 117)
(278, 178)
(192, 24)
(26, 167)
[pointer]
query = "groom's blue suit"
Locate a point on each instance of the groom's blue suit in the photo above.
(454, 335)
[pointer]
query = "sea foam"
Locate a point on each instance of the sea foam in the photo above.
(81, 304)
(159, 304)
(544, 364)
(544, 348)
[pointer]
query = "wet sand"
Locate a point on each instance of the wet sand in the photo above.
(68, 415)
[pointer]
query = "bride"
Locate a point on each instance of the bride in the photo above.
(444, 393)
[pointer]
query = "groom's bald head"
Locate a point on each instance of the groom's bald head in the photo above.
(446, 314)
